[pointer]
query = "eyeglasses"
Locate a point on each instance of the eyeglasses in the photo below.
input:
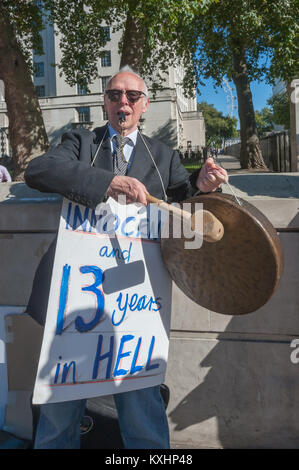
(132, 95)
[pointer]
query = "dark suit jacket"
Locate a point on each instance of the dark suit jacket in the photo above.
(67, 170)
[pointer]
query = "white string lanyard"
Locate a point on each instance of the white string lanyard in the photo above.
(99, 147)
(229, 186)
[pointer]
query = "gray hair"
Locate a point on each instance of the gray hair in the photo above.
(128, 69)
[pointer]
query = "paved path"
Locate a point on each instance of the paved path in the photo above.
(228, 162)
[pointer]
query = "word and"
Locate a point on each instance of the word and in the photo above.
(106, 252)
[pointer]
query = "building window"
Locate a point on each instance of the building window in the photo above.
(106, 59)
(83, 114)
(39, 69)
(39, 51)
(105, 115)
(40, 90)
(104, 80)
(106, 30)
(81, 89)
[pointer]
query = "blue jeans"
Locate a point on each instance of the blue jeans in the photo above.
(142, 420)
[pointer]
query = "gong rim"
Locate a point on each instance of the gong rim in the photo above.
(236, 275)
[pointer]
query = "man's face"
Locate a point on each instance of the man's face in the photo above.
(125, 81)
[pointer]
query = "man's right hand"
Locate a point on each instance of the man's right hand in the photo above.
(133, 189)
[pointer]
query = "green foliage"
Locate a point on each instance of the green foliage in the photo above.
(207, 31)
(280, 109)
(264, 120)
(82, 40)
(278, 112)
(266, 30)
(218, 127)
(26, 20)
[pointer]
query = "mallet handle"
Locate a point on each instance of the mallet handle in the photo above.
(212, 230)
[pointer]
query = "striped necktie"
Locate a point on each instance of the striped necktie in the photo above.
(119, 162)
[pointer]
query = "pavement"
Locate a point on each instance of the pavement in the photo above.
(265, 184)
(232, 165)
(229, 163)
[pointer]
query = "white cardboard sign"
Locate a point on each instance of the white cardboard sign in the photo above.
(108, 318)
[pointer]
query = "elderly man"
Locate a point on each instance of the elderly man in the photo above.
(86, 168)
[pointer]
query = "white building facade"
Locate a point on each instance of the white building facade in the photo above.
(171, 117)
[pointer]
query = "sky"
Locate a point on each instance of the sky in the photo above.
(261, 92)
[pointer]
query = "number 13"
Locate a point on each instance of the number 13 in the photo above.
(80, 324)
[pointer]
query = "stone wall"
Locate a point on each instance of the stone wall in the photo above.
(232, 382)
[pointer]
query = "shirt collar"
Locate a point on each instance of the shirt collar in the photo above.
(132, 136)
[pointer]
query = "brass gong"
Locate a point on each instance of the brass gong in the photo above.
(239, 273)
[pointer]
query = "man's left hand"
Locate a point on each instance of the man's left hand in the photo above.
(211, 177)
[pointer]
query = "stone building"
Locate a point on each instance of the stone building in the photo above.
(171, 117)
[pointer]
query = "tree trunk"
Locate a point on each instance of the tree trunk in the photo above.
(27, 134)
(250, 155)
(133, 44)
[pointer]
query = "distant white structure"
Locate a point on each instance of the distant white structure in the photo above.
(229, 97)
(278, 88)
(171, 117)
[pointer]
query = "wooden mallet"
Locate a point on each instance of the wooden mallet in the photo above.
(212, 228)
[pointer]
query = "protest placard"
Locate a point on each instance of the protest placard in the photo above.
(108, 317)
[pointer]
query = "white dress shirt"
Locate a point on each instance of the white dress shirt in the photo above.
(128, 147)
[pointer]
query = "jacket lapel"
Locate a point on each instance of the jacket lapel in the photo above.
(104, 157)
(142, 162)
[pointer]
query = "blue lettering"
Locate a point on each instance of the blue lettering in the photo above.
(125, 222)
(93, 220)
(134, 367)
(104, 251)
(142, 305)
(124, 309)
(149, 358)
(155, 302)
(112, 228)
(66, 369)
(99, 357)
(69, 210)
(122, 354)
(127, 252)
(57, 373)
(134, 303)
(115, 252)
(82, 219)
(64, 286)
(93, 288)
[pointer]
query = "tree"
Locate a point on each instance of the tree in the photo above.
(280, 109)
(26, 128)
(264, 120)
(218, 127)
(277, 112)
(146, 24)
(246, 40)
